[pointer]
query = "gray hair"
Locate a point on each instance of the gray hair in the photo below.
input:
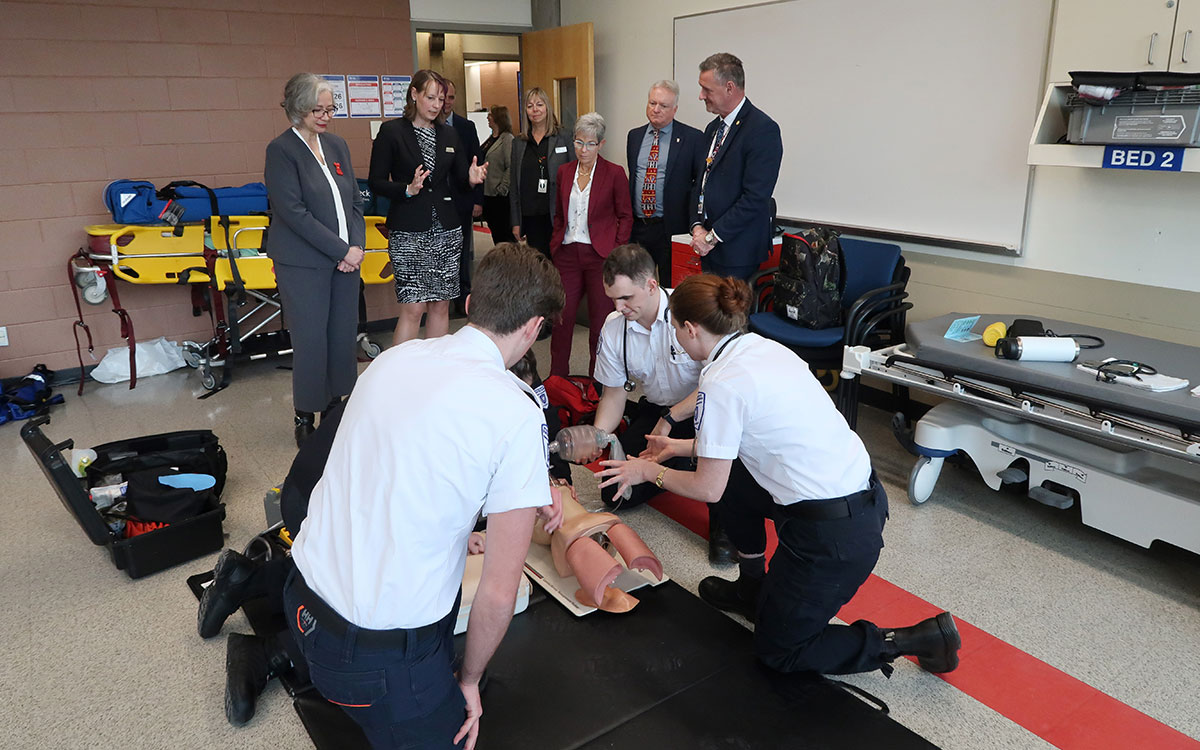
(726, 68)
(300, 95)
(667, 84)
(591, 124)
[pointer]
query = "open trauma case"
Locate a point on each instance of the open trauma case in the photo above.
(151, 551)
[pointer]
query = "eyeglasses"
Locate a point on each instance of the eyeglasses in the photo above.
(327, 111)
(1122, 368)
(586, 145)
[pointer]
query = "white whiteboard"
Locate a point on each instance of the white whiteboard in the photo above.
(910, 117)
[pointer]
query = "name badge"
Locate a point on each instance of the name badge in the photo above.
(543, 185)
(449, 149)
(559, 150)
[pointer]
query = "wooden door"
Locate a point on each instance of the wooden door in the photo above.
(1112, 35)
(562, 62)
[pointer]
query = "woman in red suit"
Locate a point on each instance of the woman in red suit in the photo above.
(593, 216)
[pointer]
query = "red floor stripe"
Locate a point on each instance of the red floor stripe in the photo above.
(1050, 703)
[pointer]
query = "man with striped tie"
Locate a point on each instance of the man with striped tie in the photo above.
(665, 159)
(731, 223)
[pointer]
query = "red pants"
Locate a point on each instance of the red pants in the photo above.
(579, 266)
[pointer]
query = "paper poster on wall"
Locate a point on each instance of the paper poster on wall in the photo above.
(363, 93)
(395, 93)
(338, 84)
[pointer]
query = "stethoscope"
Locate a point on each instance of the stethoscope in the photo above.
(629, 384)
(721, 348)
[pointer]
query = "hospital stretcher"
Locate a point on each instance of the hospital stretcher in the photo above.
(1130, 458)
(220, 259)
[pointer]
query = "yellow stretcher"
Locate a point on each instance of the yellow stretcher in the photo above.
(227, 248)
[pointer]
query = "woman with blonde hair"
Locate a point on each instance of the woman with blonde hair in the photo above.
(537, 154)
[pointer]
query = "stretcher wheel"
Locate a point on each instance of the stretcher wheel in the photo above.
(208, 380)
(191, 354)
(94, 293)
(369, 347)
(924, 476)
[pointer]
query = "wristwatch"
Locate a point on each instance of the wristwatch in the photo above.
(711, 237)
(658, 480)
(666, 415)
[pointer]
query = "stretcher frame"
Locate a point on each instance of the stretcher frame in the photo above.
(210, 271)
(1133, 473)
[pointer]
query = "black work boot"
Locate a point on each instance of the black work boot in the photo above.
(720, 550)
(935, 643)
(249, 666)
(739, 597)
(306, 424)
(231, 579)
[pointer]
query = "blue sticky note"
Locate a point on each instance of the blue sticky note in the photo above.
(197, 482)
(960, 330)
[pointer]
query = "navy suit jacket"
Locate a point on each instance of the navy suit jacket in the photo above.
(468, 136)
(685, 165)
(737, 197)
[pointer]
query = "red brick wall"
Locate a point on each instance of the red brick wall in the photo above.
(96, 90)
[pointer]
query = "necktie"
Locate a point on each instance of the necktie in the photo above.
(720, 137)
(650, 184)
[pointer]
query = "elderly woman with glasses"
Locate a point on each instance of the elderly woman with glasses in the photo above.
(316, 243)
(592, 216)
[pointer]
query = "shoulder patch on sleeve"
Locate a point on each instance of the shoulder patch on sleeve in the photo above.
(699, 410)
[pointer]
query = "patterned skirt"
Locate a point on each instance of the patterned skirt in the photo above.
(426, 263)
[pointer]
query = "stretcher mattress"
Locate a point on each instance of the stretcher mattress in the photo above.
(1064, 380)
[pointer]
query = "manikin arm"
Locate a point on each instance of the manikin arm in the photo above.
(508, 543)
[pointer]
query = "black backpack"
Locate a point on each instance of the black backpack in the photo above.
(809, 282)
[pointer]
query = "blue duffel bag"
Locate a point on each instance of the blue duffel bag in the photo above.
(138, 202)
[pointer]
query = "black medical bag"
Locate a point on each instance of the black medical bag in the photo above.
(809, 282)
(175, 525)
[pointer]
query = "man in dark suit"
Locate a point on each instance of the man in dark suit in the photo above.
(468, 203)
(666, 158)
(731, 223)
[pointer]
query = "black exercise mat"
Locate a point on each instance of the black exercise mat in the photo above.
(673, 673)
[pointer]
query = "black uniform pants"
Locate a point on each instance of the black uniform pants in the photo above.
(642, 416)
(537, 231)
(819, 566)
(652, 234)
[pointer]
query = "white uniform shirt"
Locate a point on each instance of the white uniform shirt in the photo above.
(343, 230)
(577, 210)
(759, 402)
(656, 360)
(436, 432)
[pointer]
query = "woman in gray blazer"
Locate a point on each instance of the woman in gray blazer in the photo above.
(537, 154)
(316, 241)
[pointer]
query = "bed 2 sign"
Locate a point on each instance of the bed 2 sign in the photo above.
(1143, 157)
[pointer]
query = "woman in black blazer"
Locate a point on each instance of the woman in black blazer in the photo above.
(413, 162)
(537, 154)
(316, 244)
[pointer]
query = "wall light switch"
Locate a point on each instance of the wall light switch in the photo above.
(3, 335)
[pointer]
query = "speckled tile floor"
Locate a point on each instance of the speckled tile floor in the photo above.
(93, 659)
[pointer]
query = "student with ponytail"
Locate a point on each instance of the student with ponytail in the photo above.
(770, 444)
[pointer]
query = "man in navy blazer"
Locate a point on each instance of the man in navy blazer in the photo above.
(731, 223)
(662, 205)
(469, 203)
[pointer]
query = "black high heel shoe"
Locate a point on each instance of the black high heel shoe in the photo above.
(306, 424)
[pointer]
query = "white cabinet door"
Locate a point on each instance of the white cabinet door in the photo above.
(1185, 50)
(1113, 35)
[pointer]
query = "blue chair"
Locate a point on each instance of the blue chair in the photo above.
(873, 313)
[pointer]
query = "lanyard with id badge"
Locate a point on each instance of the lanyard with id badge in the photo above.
(543, 181)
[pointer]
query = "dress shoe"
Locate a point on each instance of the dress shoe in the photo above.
(739, 597)
(306, 424)
(249, 666)
(720, 550)
(935, 643)
(231, 579)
